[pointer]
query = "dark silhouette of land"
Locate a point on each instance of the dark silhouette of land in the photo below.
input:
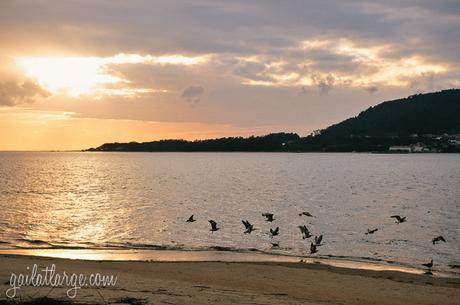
(419, 123)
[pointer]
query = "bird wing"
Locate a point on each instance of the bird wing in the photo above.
(312, 247)
(442, 238)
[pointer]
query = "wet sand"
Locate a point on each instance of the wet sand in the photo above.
(236, 283)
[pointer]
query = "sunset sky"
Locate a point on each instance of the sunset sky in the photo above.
(76, 74)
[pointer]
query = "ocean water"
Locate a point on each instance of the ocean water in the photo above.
(142, 200)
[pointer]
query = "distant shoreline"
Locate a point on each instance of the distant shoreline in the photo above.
(236, 152)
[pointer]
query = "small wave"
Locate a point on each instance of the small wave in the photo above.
(34, 241)
(221, 248)
(137, 246)
(25, 243)
(354, 258)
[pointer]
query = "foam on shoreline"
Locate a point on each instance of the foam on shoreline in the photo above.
(143, 255)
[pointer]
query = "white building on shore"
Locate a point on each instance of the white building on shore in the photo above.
(400, 149)
(416, 148)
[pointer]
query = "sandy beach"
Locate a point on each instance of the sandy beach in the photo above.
(234, 283)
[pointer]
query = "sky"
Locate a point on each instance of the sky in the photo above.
(76, 74)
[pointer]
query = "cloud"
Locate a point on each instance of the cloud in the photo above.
(267, 59)
(252, 70)
(328, 63)
(355, 42)
(237, 27)
(371, 89)
(16, 92)
(16, 88)
(192, 93)
(96, 76)
(323, 83)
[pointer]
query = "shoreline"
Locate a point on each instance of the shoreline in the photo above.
(220, 256)
(211, 282)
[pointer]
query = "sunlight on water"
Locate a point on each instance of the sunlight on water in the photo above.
(141, 201)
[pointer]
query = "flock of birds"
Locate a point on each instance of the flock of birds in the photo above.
(307, 234)
(435, 240)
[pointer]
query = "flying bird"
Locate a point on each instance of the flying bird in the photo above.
(313, 249)
(318, 240)
(213, 225)
(369, 231)
(399, 219)
(190, 219)
(428, 265)
(268, 216)
(305, 232)
(249, 227)
(306, 214)
(438, 239)
(275, 232)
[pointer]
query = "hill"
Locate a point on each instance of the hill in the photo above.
(417, 118)
(430, 122)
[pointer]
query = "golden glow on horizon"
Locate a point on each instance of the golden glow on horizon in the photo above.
(31, 129)
(88, 75)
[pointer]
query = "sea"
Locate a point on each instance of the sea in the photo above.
(141, 201)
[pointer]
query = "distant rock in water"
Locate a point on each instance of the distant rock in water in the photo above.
(419, 123)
